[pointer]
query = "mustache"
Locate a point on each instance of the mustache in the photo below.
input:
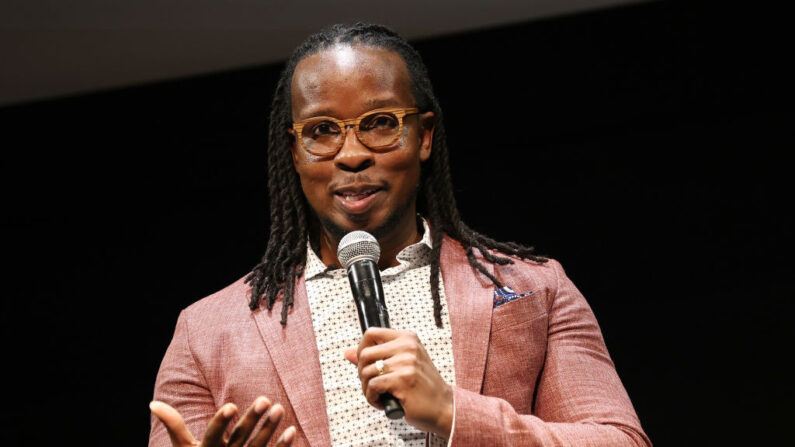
(354, 179)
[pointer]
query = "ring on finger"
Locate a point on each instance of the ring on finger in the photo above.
(379, 366)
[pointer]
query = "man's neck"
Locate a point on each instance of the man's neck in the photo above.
(404, 234)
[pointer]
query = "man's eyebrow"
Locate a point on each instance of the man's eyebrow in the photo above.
(377, 103)
(370, 104)
(318, 112)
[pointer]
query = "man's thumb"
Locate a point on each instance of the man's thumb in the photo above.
(177, 430)
(352, 356)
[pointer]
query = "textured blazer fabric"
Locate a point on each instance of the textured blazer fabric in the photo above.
(532, 371)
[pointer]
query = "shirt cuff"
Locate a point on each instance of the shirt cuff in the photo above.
(452, 428)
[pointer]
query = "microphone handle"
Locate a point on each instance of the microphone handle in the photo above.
(368, 295)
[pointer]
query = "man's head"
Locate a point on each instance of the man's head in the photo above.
(364, 185)
(343, 72)
(362, 49)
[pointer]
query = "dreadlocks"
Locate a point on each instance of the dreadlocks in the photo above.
(291, 223)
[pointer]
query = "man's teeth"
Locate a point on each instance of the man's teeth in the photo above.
(352, 197)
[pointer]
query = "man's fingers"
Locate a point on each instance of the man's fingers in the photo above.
(402, 345)
(378, 335)
(390, 364)
(370, 372)
(214, 436)
(246, 424)
(375, 388)
(271, 421)
(287, 437)
(352, 356)
(175, 425)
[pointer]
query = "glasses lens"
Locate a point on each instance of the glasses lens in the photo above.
(379, 129)
(321, 136)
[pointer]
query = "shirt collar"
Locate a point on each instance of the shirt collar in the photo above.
(412, 256)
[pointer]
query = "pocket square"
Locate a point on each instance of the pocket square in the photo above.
(506, 295)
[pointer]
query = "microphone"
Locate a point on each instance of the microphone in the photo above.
(359, 252)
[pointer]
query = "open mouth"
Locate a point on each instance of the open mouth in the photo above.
(359, 199)
(355, 196)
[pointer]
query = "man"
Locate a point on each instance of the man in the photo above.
(492, 344)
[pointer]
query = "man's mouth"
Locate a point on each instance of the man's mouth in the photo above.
(354, 195)
(357, 200)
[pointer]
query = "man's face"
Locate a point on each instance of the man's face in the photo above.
(357, 188)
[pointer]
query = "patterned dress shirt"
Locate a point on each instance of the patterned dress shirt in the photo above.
(352, 421)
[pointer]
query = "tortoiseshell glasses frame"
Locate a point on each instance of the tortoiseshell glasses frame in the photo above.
(387, 138)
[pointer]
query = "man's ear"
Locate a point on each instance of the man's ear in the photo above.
(427, 126)
(293, 147)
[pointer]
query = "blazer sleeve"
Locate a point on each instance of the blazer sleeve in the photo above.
(579, 399)
(181, 384)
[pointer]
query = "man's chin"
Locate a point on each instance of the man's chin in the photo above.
(337, 230)
(353, 223)
(365, 222)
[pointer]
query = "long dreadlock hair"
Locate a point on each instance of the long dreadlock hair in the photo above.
(290, 218)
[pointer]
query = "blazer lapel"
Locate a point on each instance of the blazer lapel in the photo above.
(293, 350)
(469, 300)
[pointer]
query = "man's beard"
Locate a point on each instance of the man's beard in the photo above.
(382, 230)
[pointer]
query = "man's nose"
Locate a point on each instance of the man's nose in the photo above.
(353, 155)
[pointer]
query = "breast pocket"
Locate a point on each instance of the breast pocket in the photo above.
(517, 350)
(517, 312)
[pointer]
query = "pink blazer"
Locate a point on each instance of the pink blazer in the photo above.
(531, 372)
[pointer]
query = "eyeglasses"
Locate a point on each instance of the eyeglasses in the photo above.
(377, 129)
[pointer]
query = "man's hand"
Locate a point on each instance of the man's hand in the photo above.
(214, 436)
(409, 375)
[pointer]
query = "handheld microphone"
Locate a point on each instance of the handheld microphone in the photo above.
(359, 252)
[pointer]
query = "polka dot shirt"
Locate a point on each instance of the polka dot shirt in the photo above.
(352, 421)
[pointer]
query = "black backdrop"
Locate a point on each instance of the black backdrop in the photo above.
(642, 146)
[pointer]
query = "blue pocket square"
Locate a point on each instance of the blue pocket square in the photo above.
(506, 295)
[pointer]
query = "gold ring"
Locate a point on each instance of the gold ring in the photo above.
(379, 366)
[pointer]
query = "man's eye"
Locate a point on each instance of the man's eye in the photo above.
(323, 129)
(382, 121)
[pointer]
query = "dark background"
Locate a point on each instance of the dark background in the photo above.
(644, 147)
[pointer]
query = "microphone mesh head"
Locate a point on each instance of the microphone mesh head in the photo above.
(358, 245)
